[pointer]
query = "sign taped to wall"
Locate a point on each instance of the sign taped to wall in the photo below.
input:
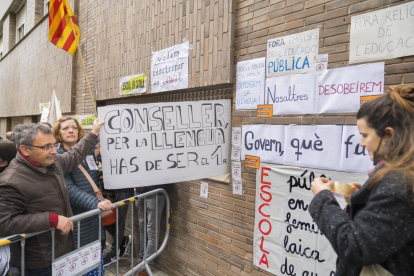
(158, 143)
(339, 90)
(169, 68)
(250, 83)
(292, 54)
(286, 240)
(382, 34)
(136, 84)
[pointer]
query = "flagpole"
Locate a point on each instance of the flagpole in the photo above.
(84, 69)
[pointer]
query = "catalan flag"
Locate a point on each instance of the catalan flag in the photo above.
(60, 27)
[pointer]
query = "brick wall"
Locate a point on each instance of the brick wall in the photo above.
(214, 236)
(129, 31)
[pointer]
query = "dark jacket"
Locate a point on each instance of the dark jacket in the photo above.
(379, 230)
(82, 199)
(28, 194)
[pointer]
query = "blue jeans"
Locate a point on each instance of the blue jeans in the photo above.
(152, 210)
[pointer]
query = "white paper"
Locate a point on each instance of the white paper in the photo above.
(169, 68)
(91, 163)
(313, 146)
(236, 136)
(382, 34)
(162, 143)
(264, 141)
(291, 94)
(235, 153)
(250, 83)
(237, 187)
(321, 63)
(339, 90)
(354, 158)
(204, 189)
(280, 205)
(81, 260)
(236, 170)
(292, 54)
(136, 84)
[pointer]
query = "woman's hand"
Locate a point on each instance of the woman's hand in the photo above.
(105, 205)
(320, 184)
(355, 186)
(96, 128)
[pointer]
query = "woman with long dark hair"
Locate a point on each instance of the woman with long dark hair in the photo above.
(378, 234)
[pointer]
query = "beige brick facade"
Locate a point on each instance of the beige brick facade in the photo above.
(211, 236)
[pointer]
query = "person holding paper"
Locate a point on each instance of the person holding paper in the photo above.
(378, 235)
(82, 196)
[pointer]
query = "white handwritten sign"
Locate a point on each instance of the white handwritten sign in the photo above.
(264, 141)
(158, 143)
(286, 240)
(382, 34)
(292, 54)
(339, 90)
(313, 146)
(169, 68)
(354, 158)
(136, 84)
(250, 83)
(291, 94)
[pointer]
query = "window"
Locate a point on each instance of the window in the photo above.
(46, 8)
(20, 21)
(20, 33)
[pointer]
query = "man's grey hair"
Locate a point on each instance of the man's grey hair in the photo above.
(27, 134)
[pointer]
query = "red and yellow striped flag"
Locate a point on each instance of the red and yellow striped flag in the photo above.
(60, 27)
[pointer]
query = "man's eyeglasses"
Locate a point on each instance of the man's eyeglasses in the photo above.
(48, 147)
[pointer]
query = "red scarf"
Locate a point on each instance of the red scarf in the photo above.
(28, 159)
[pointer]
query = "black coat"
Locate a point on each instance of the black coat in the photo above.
(379, 230)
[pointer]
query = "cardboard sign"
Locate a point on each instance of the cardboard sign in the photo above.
(264, 141)
(169, 68)
(136, 84)
(313, 146)
(250, 83)
(265, 110)
(354, 158)
(291, 94)
(252, 161)
(158, 143)
(292, 54)
(382, 34)
(339, 90)
(286, 239)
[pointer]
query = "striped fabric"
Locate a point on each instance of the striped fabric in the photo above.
(60, 27)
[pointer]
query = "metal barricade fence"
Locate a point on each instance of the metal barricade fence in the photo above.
(97, 212)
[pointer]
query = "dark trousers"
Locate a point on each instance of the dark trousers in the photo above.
(47, 271)
(121, 194)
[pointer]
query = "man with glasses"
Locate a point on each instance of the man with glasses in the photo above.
(34, 197)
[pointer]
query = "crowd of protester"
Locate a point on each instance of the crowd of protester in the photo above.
(48, 174)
